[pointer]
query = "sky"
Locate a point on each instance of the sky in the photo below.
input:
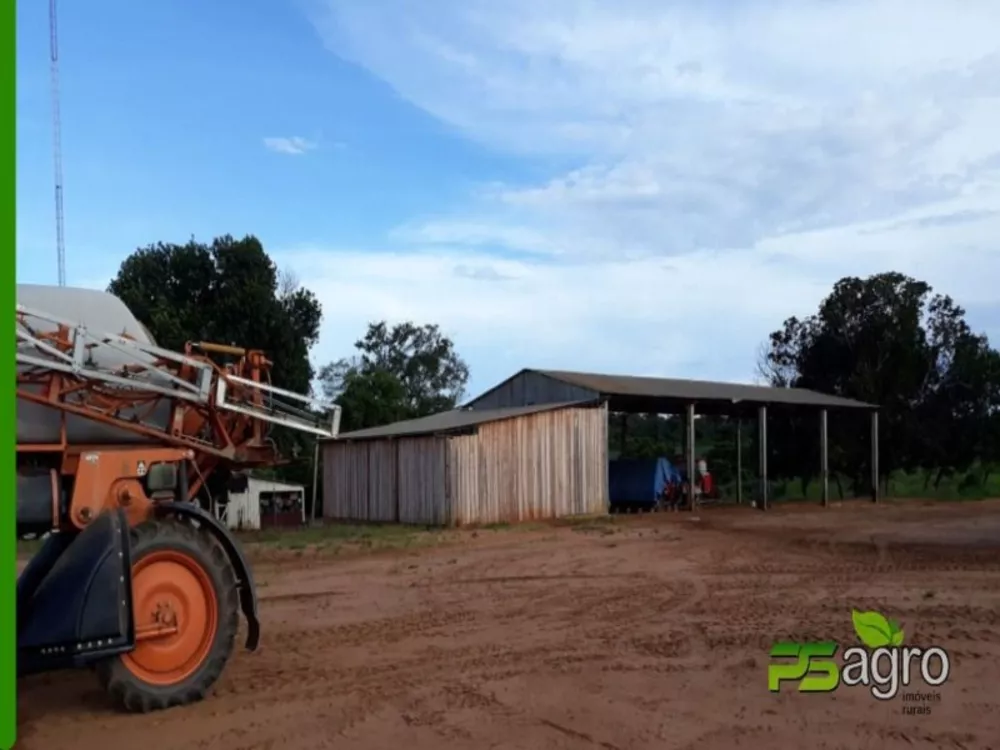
(641, 187)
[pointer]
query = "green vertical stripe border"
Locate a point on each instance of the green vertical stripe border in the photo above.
(8, 413)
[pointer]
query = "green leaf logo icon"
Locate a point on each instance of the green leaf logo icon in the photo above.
(897, 633)
(875, 631)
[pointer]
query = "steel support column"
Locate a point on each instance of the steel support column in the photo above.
(875, 472)
(762, 455)
(739, 460)
(689, 448)
(824, 458)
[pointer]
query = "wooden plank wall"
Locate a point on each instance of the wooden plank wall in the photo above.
(345, 481)
(538, 466)
(383, 473)
(543, 465)
(422, 486)
(462, 462)
(389, 481)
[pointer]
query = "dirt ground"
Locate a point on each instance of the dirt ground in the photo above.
(641, 632)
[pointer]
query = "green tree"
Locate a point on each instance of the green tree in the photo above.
(228, 292)
(888, 339)
(964, 404)
(399, 372)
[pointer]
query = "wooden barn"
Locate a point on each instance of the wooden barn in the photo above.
(472, 467)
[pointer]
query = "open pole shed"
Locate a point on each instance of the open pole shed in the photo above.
(648, 395)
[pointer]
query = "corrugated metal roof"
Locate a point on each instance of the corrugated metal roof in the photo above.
(628, 386)
(269, 485)
(448, 421)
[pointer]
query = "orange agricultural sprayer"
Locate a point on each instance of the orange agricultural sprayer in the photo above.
(121, 447)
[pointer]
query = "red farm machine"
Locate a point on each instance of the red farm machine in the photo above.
(121, 447)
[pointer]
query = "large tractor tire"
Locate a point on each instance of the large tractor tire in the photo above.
(186, 608)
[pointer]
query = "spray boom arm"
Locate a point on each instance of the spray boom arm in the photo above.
(218, 410)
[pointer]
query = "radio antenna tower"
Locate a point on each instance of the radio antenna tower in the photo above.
(57, 142)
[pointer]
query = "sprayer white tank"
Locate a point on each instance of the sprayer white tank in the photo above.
(100, 312)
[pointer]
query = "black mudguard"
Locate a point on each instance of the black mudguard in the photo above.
(74, 598)
(248, 592)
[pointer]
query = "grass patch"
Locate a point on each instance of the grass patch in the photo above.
(586, 521)
(975, 484)
(330, 537)
(582, 522)
(503, 526)
(334, 536)
(499, 526)
(605, 526)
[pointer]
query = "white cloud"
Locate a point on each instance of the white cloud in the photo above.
(507, 314)
(732, 162)
(293, 146)
(700, 314)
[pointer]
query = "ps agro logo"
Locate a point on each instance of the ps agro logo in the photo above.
(884, 665)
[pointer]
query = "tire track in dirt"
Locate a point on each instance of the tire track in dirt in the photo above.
(310, 596)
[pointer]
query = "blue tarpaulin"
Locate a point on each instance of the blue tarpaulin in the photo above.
(639, 481)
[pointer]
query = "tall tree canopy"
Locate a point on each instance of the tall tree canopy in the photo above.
(226, 292)
(399, 372)
(890, 340)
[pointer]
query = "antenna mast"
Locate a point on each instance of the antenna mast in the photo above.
(57, 142)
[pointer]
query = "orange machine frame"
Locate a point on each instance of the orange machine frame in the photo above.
(199, 436)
